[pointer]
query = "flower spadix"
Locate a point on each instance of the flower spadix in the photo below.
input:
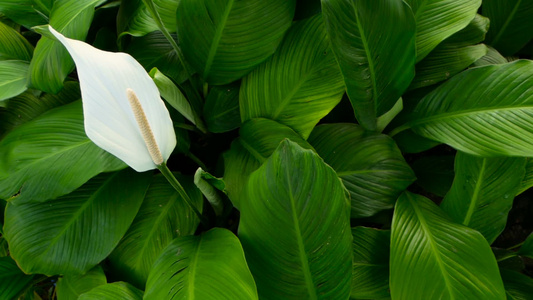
(123, 111)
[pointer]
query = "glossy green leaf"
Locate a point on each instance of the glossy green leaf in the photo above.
(510, 24)
(24, 12)
(430, 27)
(517, 285)
(50, 151)
(163, 216)
(484, 111)
(493, 57)
(258, 139)
(221, 109)
(51, 62)
(204, 181)
(134, 19)
(527, 181)
(299, 84)
(113, 291)
(434, 173)
(527, 247)
(371, 249)
(13, 78)
(225, 40)
(292, 253)
(208, 266)
(70, 287)
(12, 280)
(362, 34)
(82, 228)
(13, 45)
(483, 191)
(434, 258)
(370, 165)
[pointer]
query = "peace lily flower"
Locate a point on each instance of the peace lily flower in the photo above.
(123, 111)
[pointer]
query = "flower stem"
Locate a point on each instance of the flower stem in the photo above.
(181, 191)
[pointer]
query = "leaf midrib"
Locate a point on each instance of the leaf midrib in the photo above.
(216, 39)
(475, 195)
(192, 270)
(507, 22)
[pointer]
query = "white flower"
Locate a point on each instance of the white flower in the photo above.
(123, 111)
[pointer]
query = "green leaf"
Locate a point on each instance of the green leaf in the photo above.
(225, 40)
(510, 24)
(12, 281)
(483, 191)
(517, 285)
(259, 138)
(493, 57)
(208, 266)
(51, 62)
(82, 228)
(362, 34)
(527, 181)
(13, 78)
(50, 151)
(527, 247)
(13, 45)
(113, 291)
(434, 258)
(410, 142)
(431, 29)
(221, 109)
(371, 249)
(292, 253)
(70, 287)
(23, 12)
(484, 111)
(134, 19)
(299, 84)
(203, 181)
(163, 216)
(370, 165)
(434, 173)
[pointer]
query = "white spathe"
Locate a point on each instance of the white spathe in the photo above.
(108, 117)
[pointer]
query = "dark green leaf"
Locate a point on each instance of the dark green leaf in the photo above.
(517, 285)
(23, 12)
(527, 181)
(221, 109)
(527, 247)
(134, 19)
(292, 253)
(70, 287)
(13, 45)
(13, 78)
(113, 291)
(81, 228)
(434, 173)
(12, 281)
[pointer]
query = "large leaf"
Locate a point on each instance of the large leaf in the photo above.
(510, 24)
(299, 84)
(224, 40)
(135, 19)
(13, 45)
(51, 62)
(295, 227)
(12, 281)
(13, 78)
(434, 258)
(483, 111)
(24, 12)
(70, 287)
(371, 249)
(430, 27)
(370, 165)
(483, 191)
(163, 216)
(50, 151)
(81, 228)
(517, 285)
(259, 138)
(209, 266)
(113, 291)
(362, 34)
(221, 109)
(493, 57)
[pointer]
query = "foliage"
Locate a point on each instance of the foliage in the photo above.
(326, 149)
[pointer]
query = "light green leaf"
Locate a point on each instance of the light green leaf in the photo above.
(50, 151)
(430, 27)
(299, 84)
(82, 228)
(483, 191)
(493, 57)
(258, 139)
(434, 258)
(23, 12)
(163, 216)
(527, 247)
(221, 109)
(13, 78)
(517, 285)
(12, 281)
(370, 165)
(371, 249)
(13, 45)
(225, 40)
(527, 181)
(208, 266)
(484, 111)
(70, 287)
(211, 193)
(362, 34)
(51, 62)
(292, 253)
(510, 24)
(113, 291)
